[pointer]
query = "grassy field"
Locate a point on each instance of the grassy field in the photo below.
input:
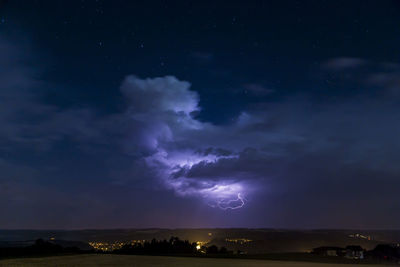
(133, 260)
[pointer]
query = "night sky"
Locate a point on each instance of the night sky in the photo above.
(281, 114)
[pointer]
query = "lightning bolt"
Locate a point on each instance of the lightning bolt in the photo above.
(224, 193)
(227, 204)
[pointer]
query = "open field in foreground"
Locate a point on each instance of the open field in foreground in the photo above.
(133, 260)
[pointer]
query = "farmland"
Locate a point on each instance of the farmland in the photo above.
(133, 260)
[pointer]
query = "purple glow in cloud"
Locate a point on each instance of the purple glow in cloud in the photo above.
(223, 193)
(163, 107)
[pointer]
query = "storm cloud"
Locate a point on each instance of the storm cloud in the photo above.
(304, 151)
(266, 145)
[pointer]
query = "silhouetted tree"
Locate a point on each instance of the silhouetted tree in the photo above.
(173, 246)
(385, 251)
(40, 247)
(223, 250)
(212, 250)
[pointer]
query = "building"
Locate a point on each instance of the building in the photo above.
(354, 252)
(329, 251)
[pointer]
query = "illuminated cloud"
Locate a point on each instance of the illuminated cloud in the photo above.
(163, 107)
(222, 192)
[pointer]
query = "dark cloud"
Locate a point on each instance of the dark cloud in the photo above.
(390, 81)
(344, 63)
(258, 155)
(297, 153)
(257, 89)
(202, 57)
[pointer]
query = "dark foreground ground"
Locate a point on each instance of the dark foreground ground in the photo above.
(134, 260)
